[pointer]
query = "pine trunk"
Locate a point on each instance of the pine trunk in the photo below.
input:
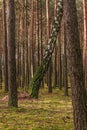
(85, 41)
(0, 71)
(5, 47)
(13, 101)
(76, 66)
(65, 64)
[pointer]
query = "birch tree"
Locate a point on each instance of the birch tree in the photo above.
(36, 81)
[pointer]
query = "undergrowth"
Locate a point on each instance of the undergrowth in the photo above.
(49, 112)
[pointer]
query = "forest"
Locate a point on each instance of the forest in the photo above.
(43, 71)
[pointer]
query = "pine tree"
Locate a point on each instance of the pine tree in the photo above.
(13, 101)
(76, 66)
(5, 46)
(85, 41)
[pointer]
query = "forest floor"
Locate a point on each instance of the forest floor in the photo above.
(49, 112)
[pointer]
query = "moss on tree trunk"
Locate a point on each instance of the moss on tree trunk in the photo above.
(39, 74)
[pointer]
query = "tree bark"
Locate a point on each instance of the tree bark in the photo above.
(0, 71)
(55, 53)
(41, 40)
(76, 66)
(38, 77)
(60, 62)
(49, 73)
(32, 64)
(38, 30)
(13, 101)
(5, 47)
(85, 41)
(27, 50)
(65, 63)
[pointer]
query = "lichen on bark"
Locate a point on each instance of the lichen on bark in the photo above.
(39, 74)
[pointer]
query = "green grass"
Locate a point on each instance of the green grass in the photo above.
(49, 112)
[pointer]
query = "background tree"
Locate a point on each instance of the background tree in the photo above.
(13, 102)
(5, 46)
(55, 54)
(65, 72)
(49, 73)
(1, 49)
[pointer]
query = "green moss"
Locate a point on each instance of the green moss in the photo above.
(38, 73)
(50, 112)
(35, 83)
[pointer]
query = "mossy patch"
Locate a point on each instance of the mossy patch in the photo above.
(49, 112)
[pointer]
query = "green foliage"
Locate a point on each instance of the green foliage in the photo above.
(50, 112)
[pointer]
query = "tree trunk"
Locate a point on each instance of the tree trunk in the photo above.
(49, 73)
(55, 52)
(13, 101)
(60, 63)
(32, 65)
(18, 67)
(85, 41)
(50, 78)
(0, 71)
(38, 77)
(41, 35)
(38, 31)
(76, 66)
(65, 64)
(23, 41)
(5, 47)
(27, 50)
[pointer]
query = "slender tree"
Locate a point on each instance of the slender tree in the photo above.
(36, 81)
(47, 21)
(18, 59)
(13, 101)
(0, 71)
(23, 41)
(38, 30)
(65, 64)
(32, 65)
(85, 41)
(60, 62)
(49, 74)
(41, 36)
(27, 50)
(55, 53)
(5, 46)
(41, 31)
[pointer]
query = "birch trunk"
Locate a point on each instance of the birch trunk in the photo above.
(38, 77)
